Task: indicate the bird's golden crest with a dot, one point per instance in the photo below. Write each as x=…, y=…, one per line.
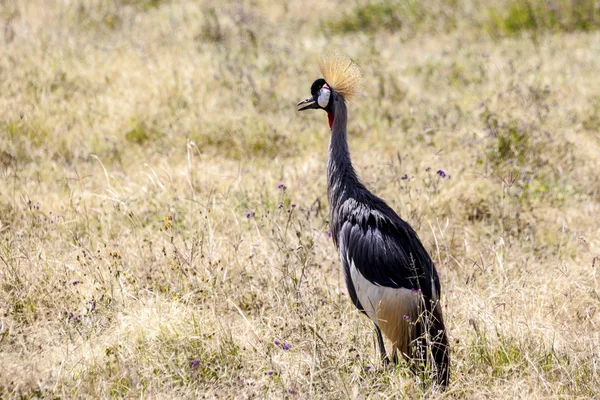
x=342, y=74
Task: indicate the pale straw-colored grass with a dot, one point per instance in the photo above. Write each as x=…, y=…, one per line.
x=146, y=250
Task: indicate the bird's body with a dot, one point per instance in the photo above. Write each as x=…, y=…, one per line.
x=389, y=274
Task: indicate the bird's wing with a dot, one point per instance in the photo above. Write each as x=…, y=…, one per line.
x=387, y=251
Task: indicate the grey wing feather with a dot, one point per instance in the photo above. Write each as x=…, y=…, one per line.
x=386, y=250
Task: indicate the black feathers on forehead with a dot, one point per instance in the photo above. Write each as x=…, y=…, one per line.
x=317, y=85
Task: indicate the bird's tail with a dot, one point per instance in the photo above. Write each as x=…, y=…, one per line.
x=416, y=328
x=432, y=345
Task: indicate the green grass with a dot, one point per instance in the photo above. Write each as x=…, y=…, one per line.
x=506, y=18
x=371, y=17
x=543, y=16
x=140, y=133
x=394, y=15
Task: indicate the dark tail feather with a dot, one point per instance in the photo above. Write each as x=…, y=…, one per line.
x=439, y=347
x=433, y=345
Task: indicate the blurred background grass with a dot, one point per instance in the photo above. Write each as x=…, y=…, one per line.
x=148, y=249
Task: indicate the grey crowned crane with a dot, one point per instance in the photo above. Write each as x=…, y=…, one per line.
x=388, y=273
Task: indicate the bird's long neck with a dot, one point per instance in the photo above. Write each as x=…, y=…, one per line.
x=342, y=181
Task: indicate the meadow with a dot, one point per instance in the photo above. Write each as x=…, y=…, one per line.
x=163, y=208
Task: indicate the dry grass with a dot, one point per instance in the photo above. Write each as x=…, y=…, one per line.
x=146, y=250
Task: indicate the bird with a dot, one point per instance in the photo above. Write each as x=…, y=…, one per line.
x=389, y=275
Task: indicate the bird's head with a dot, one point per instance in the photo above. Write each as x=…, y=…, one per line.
x=320, y=96
x=341, y=81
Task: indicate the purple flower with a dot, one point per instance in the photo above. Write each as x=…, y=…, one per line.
x=368, y=367
x=293, y=205
x=281, y=186
x=292, y=391
x=328, y=234
x=250, y=214
x=195, y=364
x=280, y=205
x=92, y=304
x=405, y=317
x=285, y=346
x=404, y=177
x=527, y=179
x=441, y=173
x=269, y=373
x=276, y=342
x=74, y=283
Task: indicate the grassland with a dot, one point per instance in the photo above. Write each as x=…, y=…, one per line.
x=148, y=249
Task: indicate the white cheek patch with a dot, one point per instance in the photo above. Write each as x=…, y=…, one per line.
x=324, y=95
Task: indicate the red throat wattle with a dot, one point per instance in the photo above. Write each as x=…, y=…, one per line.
x=331, y=116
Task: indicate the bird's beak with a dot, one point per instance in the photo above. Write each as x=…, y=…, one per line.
x=307, y=104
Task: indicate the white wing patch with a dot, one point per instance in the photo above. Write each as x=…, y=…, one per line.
x=433, y=290
x=371, y=296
